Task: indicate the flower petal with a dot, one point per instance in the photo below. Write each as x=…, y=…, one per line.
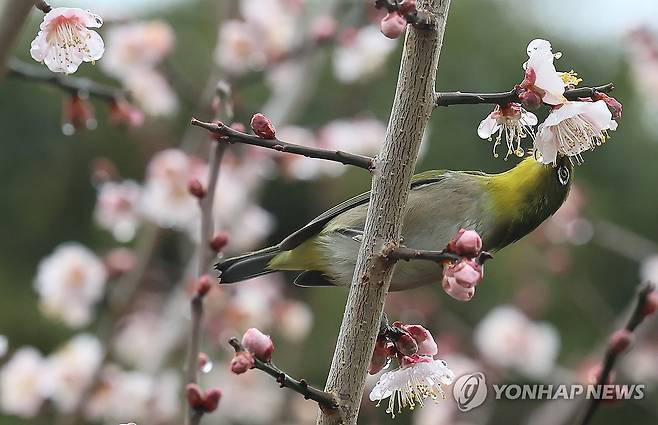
x=488, y=127
x=546, y=144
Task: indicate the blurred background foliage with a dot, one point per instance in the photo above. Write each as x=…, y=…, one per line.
x=47, y=197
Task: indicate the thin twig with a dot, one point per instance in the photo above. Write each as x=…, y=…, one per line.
x=234, y=136
x=206, y=205
x=324, y=399
x=637, y=316
x=395, y=253
x=72, y=85
x=503, y=98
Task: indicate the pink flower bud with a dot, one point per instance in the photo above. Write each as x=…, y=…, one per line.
x=263, y=127
x=123, y=113
x=78, y=113
x=204, y=285
x=457, y=291
x=196, y=188
x=529, y=79
x=242, y=362
x=211, y=400
x=393, y=25
x=219, y=241
x=258, y=344
x=529, y=100
x=379, y=357
x=466, y=243
x=194, y=395
x=651, y=304
x=620, y=340
x=613, y=104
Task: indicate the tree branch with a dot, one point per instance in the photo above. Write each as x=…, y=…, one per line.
x=412, y=107
x=234, y=136
x=13, y=14
x=503, y=98
x=72, y=85
x=637, y=316
x=324, y=399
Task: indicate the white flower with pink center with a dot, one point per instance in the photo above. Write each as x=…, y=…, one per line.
x=419, y=378
x=511, y=122
x=506, y=338
x=166, y=199
x=70, y=369
x=116, y=208
x=69, y=282
x=573, y=128
x=20, y=383
x=134, y=46
x=362, y=55
x=64, y=40
x=239, y=50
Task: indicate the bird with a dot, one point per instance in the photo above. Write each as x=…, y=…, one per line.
x=502, y=208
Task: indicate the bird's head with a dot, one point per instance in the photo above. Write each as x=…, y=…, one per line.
x=523, y=197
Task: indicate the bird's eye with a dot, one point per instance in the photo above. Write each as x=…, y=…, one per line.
x=563, y=175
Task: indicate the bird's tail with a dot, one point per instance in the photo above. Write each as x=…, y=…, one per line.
x=246, y=266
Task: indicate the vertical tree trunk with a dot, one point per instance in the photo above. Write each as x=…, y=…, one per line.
x=395, y=164
x=13, y=14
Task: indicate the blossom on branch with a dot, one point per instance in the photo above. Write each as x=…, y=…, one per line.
x=69, y=282
x=361, y=55
x=540, y=74
x=573, y=128
x=510, y=121
x=117, y=208
x=21, y=382
x=64, y=40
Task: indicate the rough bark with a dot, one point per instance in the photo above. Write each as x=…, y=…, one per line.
x=394, y=167
x=13, y=14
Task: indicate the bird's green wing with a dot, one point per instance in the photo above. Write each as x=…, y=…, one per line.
x=316, y=225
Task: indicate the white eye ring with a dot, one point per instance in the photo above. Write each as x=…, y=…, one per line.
x=563, y=175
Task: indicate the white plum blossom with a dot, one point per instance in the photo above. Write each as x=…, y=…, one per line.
x=166, y=199
x=572, y=128
x=295, y=320
x=70, y=369
x=510, y=121
x=117, y=208
x=137, y=46
x=151, y=92
x=64, y=40
x=20, y=383
x=69, y=282
x=239, y=49
x=362, y=56
x=541, y=76
x=506, y=338
x=135, y=396
x=413, y=383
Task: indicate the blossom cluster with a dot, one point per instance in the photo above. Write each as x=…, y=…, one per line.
x=571, y=128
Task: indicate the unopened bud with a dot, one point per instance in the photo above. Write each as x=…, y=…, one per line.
x=263, y=127
x=651, y=304
x=613, y=104
x=123, y=113
x=466, y=243
x=529, y=100
x=242, y=362
x=393, y=25
x=196, y=188
x=219, y=241
x=379, y=357
x=194, y=395
x=78, y=113
x=211, y=400
x=456, y=291
x=258, y=344
x=204, y=285
x=620, y=340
